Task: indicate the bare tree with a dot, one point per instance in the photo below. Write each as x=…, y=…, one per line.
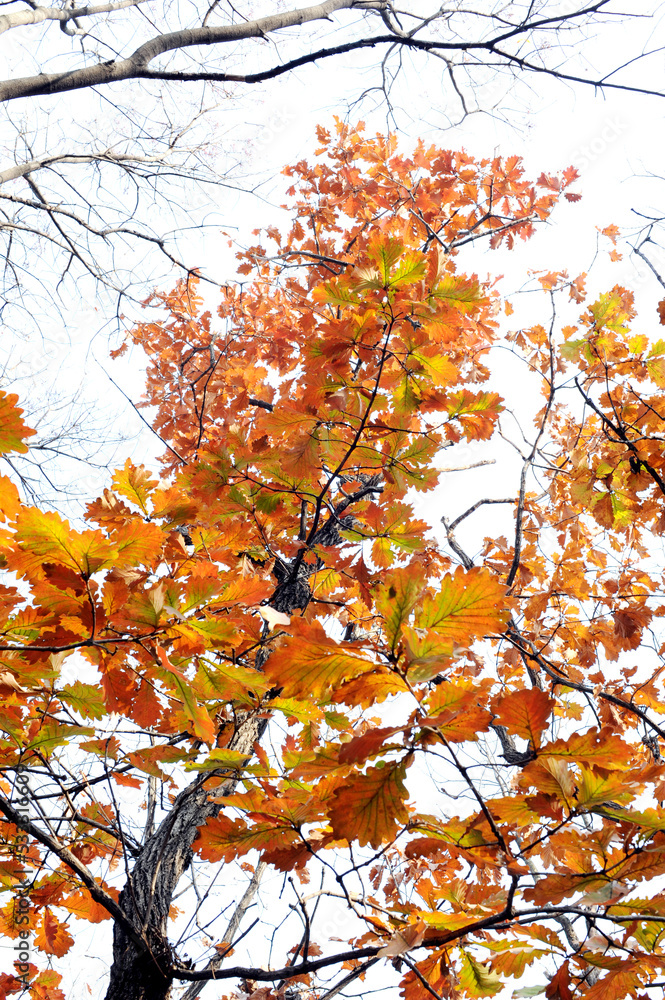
x=115, y=113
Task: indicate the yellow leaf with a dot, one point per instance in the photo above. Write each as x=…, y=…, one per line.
x=12, y=428
x=43, y=537
x=470, y=604
x=135, y=483
x=310, y=665
x=477, y=979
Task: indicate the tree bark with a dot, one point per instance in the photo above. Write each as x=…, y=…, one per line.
x=146, y=974
x=136, y=65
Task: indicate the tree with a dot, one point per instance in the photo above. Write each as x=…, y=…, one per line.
x=123, y=132
x=115, y=117
x=271, y=654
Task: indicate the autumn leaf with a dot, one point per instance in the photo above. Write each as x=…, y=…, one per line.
x=559, y=986
x=396, y=600
x=590, y=748
x=82, y=905
x=555, y=888
x=223, y=759
x=434, y=970
x=617, y=983
x=135, y=483
x=370, y=807
x=476, y=413
x=52, y=936
x=455, y=714
x=469, y=604
x=197, y=715
x=359, y=748
x=86, y=699
x=661, y=311
x=404, y=939
x=525, y=713
x=223, y=839
x=13, y=431
x=309, y=664
x=477, y=979
x=10, y=501
x=44, y=537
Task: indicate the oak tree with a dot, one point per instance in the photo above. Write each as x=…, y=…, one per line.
x=261, y=681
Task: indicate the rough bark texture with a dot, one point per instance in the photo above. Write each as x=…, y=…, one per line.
x=146, y=899
x=147, y=974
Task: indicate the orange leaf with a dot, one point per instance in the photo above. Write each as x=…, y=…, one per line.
x=44, y=986
x=558, y=986
x=53, y=936
x=202, y=725
x=405, y=939
x=12, y=429
x=223, y=839
x=82, y=905
x=610, y=752
x=364, y=746
x=10, y=502
x=310, y=665
x=661, y=311
x=617, y=984
x=525, y=713
x=44, y=537
x=369, y=807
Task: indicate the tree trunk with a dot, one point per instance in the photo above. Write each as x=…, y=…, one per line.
x=147, y=974
x=146, y=898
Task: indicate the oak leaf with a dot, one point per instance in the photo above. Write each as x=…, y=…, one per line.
x=661, y=311
x=311, y=665
x=477, y=979
x=53, y=936
x=369, y=808
x=13, y=431
x=223, y=839
x=470, y=604
x=525, y=713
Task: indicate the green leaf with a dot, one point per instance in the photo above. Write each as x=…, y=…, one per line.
x=477, y=979
x=86, y=699
x=217, y=759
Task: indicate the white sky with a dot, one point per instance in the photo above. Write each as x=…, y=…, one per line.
x=616, y=141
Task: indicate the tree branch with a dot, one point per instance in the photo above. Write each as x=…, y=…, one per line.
x=66, y=856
